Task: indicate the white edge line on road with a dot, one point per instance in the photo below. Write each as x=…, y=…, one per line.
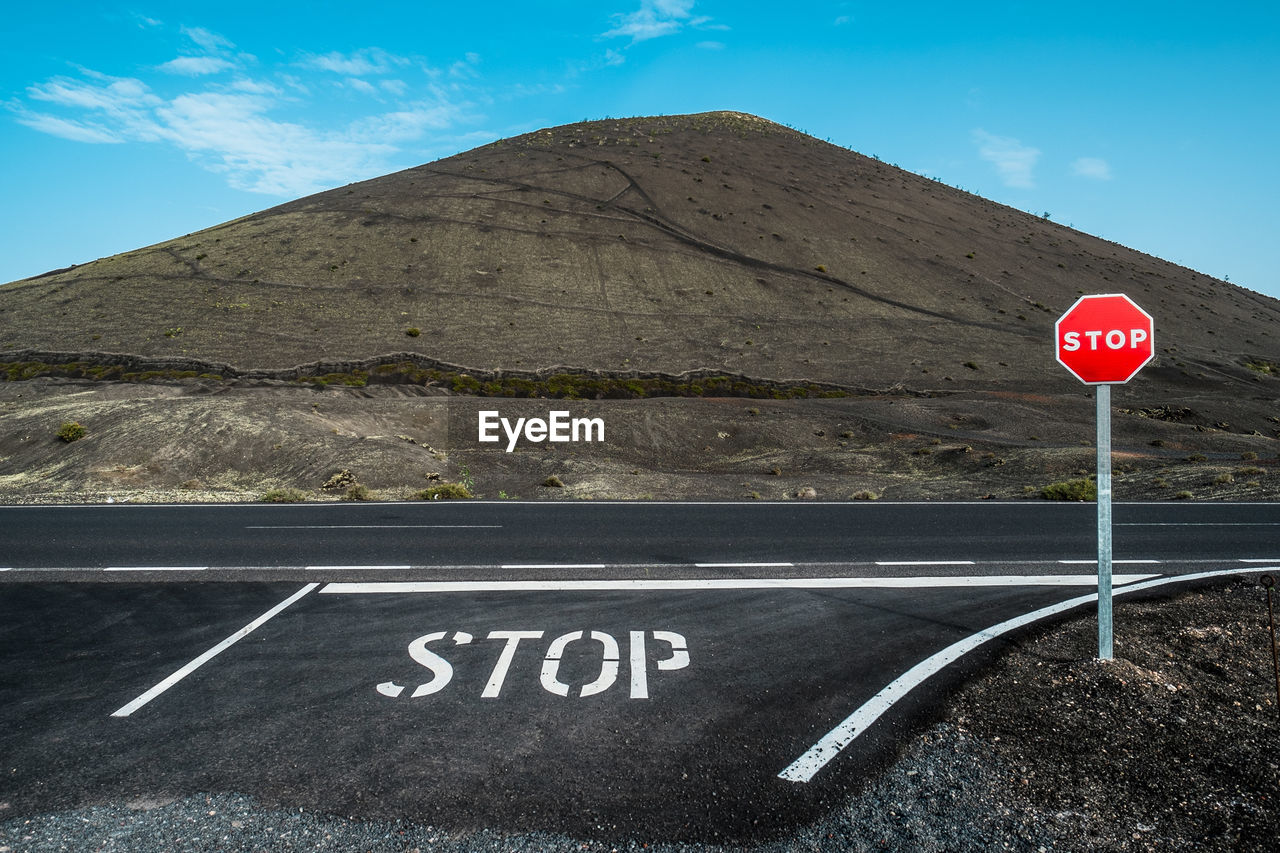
x=400, y=587
x=357, y=568
x=209, y=655
x=1243, y=560
x=744, y=565
x=817, y=756
x=156, y=569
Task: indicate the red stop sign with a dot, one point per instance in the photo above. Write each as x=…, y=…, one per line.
x=1104, y=339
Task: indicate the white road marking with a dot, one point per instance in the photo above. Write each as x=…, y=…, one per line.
x=817, y=756
x=209, y=655
x=744, y=565
x=357, y=568
x=639, y=668
x=1243, y=560
x=650, y=584
x=553, y=566
x=156, y=569
x=1199, y=524
x=372, y=526
x=499, y=674
x=1114, y=562
x=925, y=562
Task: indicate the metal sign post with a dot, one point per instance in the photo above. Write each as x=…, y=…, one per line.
x=1104, y=339
x=1104, y=522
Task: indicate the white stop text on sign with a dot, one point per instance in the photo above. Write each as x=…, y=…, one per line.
x=604, y=644
x=1113, y=339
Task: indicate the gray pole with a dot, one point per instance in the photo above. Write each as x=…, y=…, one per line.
x=1104, y=522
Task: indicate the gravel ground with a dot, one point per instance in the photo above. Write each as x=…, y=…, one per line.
x=1172, y=746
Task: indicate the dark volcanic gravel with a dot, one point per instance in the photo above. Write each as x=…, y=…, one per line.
x=1175, y=745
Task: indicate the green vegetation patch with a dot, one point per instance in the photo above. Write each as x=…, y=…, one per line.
x=1082, y=489
x=282, y=496
x=444, y=492
x=559, y=386
x=71, y=431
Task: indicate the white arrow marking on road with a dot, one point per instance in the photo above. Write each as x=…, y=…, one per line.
x=817, y=756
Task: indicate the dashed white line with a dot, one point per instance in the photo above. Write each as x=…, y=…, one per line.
x=553, y=565
x=744, y=565
x=373, y=526
x=357, y=568
x=1253, y=560
x=925, y=563
x=670, y=584
x=1114, y=562
x=209, y=655
x=817, y=756
x=156, y=569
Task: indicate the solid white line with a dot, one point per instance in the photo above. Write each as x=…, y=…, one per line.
x=356, y=568
x=744, y=565
x=1113, y=562
x=370, y=526
x=156, y=569
x=209, y=655
x=817, y=756
x=925, y=562
x=648, y=584
x=1243, y=560
x=553, y=565
x=1199, y=524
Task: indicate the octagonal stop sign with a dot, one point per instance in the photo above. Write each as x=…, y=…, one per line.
x=1105, y=338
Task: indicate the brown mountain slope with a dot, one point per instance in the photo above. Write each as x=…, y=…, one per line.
x=717, y=240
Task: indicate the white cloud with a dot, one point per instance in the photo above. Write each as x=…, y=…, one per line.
x=842, y=20
x=266, y=132
x=67, y=128
x=231, y=130
x=361, y=63
x=1092, y=167
x=653, y=19
x=1014, y=161
x=711, y=45
x=194, y=66
x=210, y=41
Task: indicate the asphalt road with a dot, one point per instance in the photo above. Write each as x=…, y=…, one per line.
x=460, y=533
x=444, y=663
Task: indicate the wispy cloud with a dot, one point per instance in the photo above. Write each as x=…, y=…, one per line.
x=233, y=123
x=654, y=18
x=1094, y=168
x=194, y=66
x=1014, y=161
x=711, y=45
x=361, y=63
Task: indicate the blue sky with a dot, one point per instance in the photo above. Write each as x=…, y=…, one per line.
x=1155, y=125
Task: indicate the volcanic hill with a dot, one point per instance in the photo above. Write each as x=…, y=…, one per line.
x=712, y=260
